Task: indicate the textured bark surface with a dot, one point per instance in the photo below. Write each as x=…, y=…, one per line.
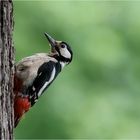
x=6, y=70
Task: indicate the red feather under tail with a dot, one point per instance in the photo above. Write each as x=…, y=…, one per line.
x=21, y=104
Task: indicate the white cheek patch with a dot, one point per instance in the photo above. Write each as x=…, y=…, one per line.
x=65, y=53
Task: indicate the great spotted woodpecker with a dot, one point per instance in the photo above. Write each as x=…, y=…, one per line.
x=35, y=73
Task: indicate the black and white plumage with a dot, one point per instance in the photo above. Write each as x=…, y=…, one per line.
x=35, y=73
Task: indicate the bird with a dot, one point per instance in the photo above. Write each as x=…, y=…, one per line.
x=35, y=73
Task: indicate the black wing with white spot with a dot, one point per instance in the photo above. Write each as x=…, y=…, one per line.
x=45, y=76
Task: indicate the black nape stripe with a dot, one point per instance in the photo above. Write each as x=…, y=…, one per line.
x=61, y=58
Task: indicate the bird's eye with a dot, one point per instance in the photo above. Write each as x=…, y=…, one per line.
x=63, y=45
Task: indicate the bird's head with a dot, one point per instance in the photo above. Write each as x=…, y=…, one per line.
x=61, y=49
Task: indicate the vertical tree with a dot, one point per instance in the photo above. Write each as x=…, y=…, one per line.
x=6, y=69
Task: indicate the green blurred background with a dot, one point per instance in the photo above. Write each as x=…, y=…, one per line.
x=98, y=94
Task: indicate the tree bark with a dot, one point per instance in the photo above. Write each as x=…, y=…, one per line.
x=6, y=70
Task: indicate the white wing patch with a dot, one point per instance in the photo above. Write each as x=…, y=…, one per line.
x=48, y=82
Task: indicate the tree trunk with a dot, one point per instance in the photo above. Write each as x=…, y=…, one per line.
x=6, y=70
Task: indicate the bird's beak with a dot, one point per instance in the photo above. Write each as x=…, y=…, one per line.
x=51, y=40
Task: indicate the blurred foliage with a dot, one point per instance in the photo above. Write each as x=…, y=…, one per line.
x=98, y=94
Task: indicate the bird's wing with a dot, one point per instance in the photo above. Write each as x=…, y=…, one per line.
x=45, y=76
